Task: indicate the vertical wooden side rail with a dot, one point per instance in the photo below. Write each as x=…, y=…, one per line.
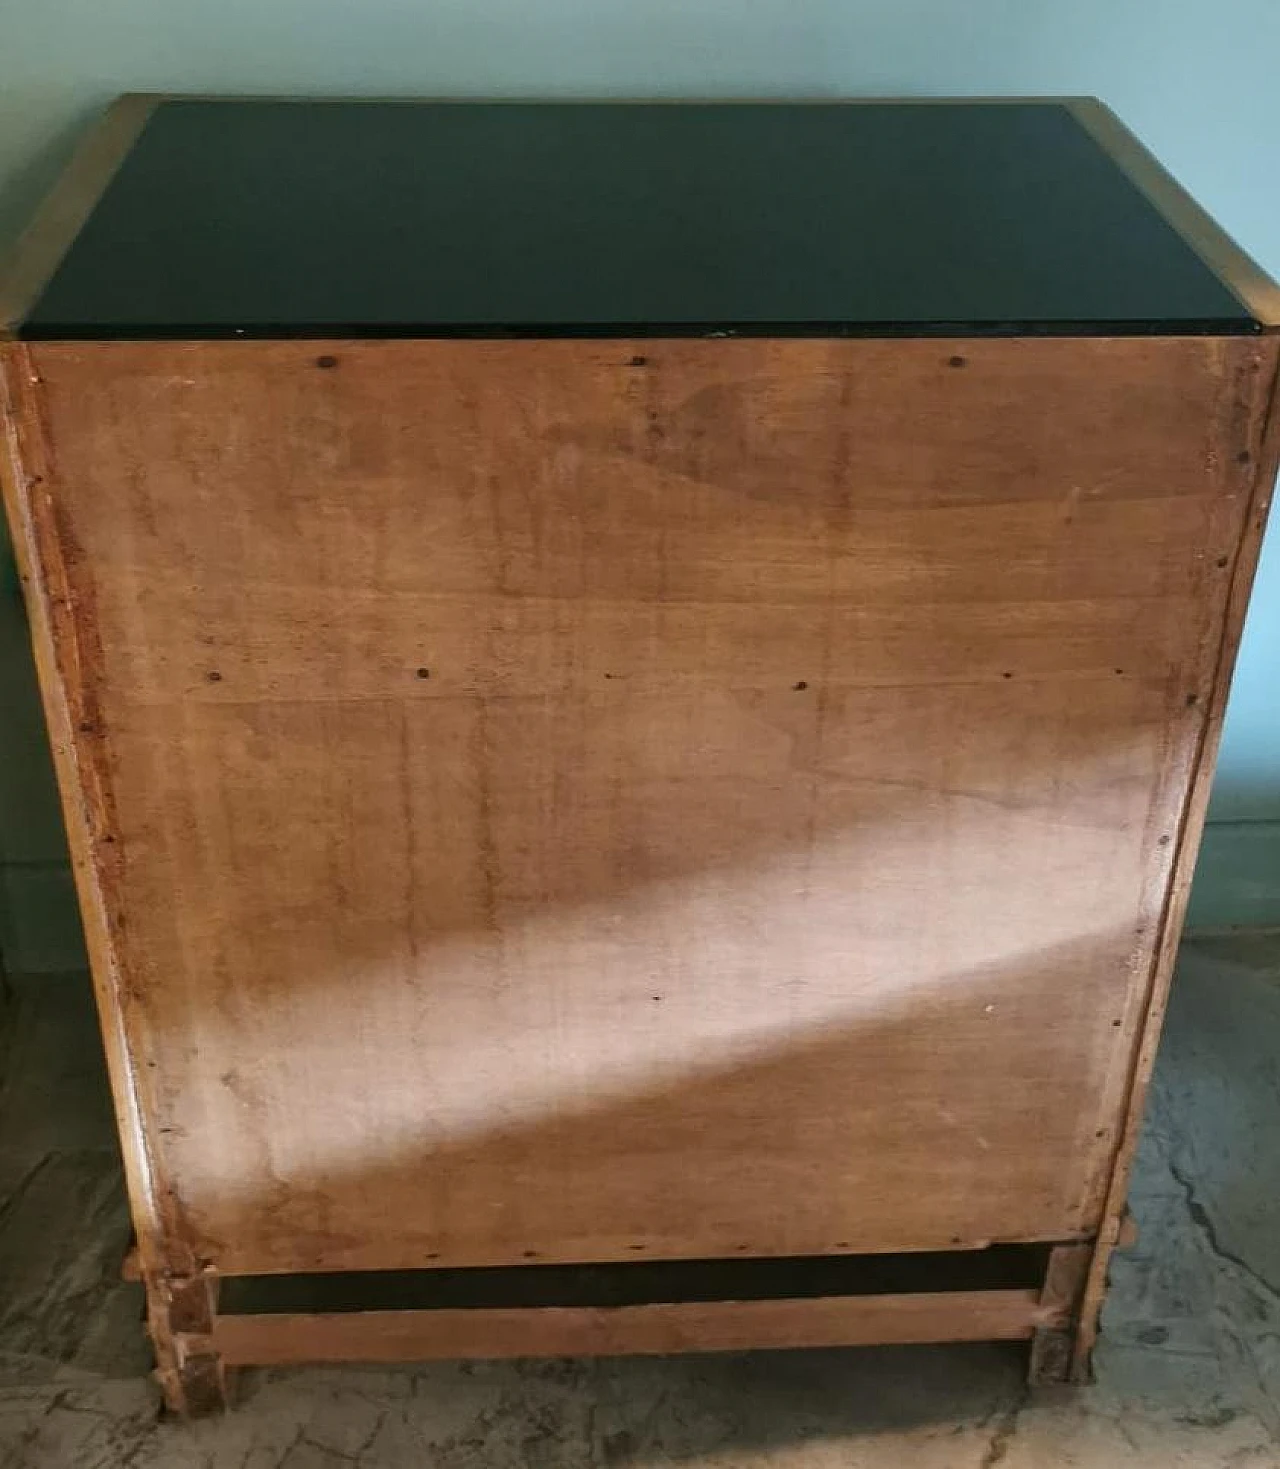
x=179, y=1303
x=1263, y=455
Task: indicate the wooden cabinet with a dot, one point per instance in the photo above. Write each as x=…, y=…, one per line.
x=634, y=690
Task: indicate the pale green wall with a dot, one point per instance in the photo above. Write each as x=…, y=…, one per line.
x=1197, y=79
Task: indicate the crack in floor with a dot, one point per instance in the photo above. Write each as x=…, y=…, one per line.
x=1203, y=1221
x=15, y=1195
x=1005, y=1431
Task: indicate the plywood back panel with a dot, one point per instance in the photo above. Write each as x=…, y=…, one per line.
x=569, y=800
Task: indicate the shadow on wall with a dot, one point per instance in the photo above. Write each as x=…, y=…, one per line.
x=40, y=929
x=39, y=926
x=25, y=180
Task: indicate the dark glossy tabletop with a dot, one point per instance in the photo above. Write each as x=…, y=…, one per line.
x=287, y=219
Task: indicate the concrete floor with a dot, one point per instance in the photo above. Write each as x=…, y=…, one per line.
x=1188, y=1370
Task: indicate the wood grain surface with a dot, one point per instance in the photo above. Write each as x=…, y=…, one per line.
x=65, y=664
x=570, y=801
x=1260, y=459
x=703, y=1326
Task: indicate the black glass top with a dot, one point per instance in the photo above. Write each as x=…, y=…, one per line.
x=282, y=219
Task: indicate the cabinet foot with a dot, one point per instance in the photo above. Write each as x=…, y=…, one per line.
x=1055, y=1355
x=180, y=1317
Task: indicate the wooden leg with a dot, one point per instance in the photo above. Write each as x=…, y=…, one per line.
x=1118, y=1233
x=180, y=1319
x=1053, y=1348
